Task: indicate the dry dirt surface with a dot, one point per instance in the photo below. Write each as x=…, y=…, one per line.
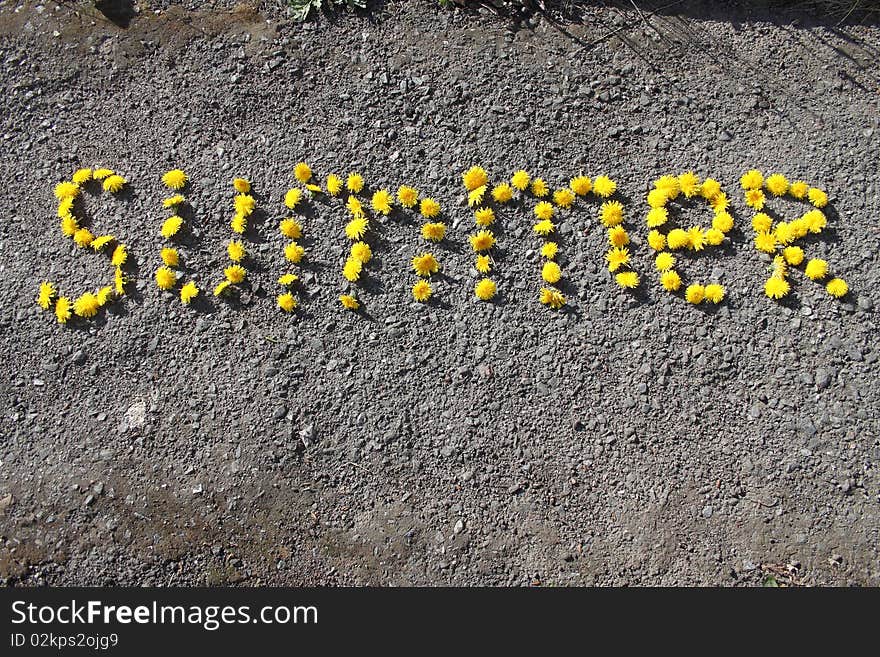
x=630, y=439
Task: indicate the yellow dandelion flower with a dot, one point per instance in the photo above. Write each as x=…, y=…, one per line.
x=314, y=189
x=65, y=207
x=100, y=242
x=617, y=258
x=689, y=184
x=520, y=179
x=670, y=280
x=485, y=289
x=355, y=207
x=287, y=279
x=113, y=183
x=222, y=286
x=475, y=196
x=171, y=226
x=551, y=272
x=482, y=241
x=549, y=250
x=800, y=227
x=236, y=251
x=714, y=237
x=799, y=189
x=483, y=264
x=354, y=183
x=434, y=232
x=502, y=192
x=244, y=204
x=776, y=287
x=564, y=198
x=784, y=233
x=696, y=238
x=69, y=225
x=241, y=185
x=334, y=184
x=539, y=188
x=552, y=298
x=165, y=278
x=581, y=185
x=173, y=201
x=618, y=236
x=816, y=269
x=120, y=255
x=762, y=222
x=723, y=221
x=83, y=237
x=752, y=179
x=170, y=257
x=119, y=281
x=102, y=174
x=657, y=217
x=658, y=198
x=290, y=228
x=837, y=287
x=408, y=196
x=65, y=190
x=352, y=270
x=776, y=184
x=670, y=185
x=361, y=251
x=484, y=216
x=381, y=201
x=294, y=252
x=817, y=197
x=714, y=293
x=292, y=197
x=664, y=261
x=422, y=291
x=188, y=292
x=765, y=242
x=104, y=295
x=695, y=293
x=544, y=210
x=425, y=264
x=627, y=279
x=720, y=202
x=544, y=227
x=429, y=208
x=603, y=186
x=174, y=179
x=81, y=176
x=794, y=255
x=710, y=189
x=286, y=302
x=349, y=302
x=755, y=199
x=656, y=240
x=235, y=274
x=302, y=172
x=474, y=177
x=678, y=239
x=816, y=220
x=63, y=310
x=47, y=295
x=356, y=228
x=238, y=224
x=780, y=268
x=611, y=213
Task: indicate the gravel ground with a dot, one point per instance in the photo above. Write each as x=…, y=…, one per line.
x=632, y=439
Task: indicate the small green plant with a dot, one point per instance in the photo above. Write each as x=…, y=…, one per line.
x=302, y=8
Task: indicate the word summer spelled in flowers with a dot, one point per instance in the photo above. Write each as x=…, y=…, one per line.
x=495, y=204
